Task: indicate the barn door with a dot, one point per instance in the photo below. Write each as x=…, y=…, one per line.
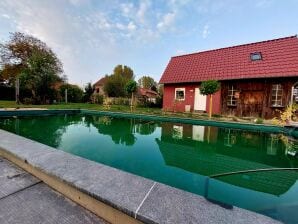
x=200, y=100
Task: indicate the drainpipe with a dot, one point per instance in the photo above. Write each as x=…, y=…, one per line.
x=291, y=102
x=292, y=92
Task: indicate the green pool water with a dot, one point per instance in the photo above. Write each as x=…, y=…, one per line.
x=180, y=155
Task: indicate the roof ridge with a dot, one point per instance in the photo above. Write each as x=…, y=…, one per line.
x=241, y=45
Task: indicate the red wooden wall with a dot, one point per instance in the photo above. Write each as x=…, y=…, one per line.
x=169, y=103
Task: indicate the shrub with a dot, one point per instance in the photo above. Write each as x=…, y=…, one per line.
x=97, y=99
x=74, y=93
x=259, y=120
x=28, y=101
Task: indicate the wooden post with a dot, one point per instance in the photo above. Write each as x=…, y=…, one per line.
x=210, y=107
x=17, y=83
x=66, y=96
x=131, y=103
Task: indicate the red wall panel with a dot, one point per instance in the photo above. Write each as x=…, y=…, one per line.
x=169, y=103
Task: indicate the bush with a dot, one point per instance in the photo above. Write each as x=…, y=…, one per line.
x=98, y=99
x=7, y=93
x=28, y=101
x=259, y=120
x=74, y=93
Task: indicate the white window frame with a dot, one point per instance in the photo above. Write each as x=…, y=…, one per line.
x=232, y=101
x=180, y=89
x=277, y=91
x=177, y=132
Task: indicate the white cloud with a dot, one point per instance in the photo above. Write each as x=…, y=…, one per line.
x=263, y=3
x=166, y=21
x=142, y=11
x=206, y=31
x=82, y=32
x=5, y=16
x=131, y=26
x=127, y=8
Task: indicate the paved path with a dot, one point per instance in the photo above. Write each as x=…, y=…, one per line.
x=25, y=199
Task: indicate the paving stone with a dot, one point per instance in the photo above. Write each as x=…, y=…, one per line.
x=40, y=204
x=170, y=205
x=13, y=179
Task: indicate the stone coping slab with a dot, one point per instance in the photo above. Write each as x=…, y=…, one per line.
x=137, y=197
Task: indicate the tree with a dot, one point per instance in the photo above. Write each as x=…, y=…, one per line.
x=124, y=71
x=74, y=93
x=115, y=86
x=116, y=83
x=31, y=60
x=209, y=88
x=147, y=82
x=131, y=88
x=88, y=91
x=40, y=76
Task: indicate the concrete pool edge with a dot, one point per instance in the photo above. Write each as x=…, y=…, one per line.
x=115, y=195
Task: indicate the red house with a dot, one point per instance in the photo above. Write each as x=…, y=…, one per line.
x=256, y=79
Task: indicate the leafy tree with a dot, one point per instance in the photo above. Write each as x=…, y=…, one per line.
x=88, y=91
x=160, y=90
x=147, y=82
x=115, y=86
x=31, y=60
x=74, y=93
x=153, y=88
x=124, y=71
x=40, y=76
x=209, y=87
x=116, y=83
x=131, y=88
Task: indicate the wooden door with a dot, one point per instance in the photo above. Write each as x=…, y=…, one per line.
x=200, y=101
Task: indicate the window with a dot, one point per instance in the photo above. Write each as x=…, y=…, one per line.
x=232, y=101
x=276, y=97
x=177, y=132
x=256, y=56
x=179, y=93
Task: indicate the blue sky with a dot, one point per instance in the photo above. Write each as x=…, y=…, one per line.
x=92, y=36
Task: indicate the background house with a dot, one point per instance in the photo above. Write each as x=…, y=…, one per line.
x=98, y=86
x=146, y=95
x=256, y=79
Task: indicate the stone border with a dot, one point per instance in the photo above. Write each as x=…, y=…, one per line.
x=115, y=195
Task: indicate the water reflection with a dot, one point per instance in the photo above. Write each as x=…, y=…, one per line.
x=48, y=130
x=210, y=150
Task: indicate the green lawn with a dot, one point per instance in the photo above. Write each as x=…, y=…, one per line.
x=123, y=108
x=119, y=108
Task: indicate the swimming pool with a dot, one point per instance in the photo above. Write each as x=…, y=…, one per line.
x=180, y=155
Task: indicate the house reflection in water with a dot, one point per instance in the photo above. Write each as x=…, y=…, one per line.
x=211, y=150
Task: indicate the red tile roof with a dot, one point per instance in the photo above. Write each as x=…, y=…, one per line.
x=279, y=59
x=147, y=92
x=101, y=82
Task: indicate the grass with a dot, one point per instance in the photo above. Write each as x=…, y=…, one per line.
x=124, y=108
x=89, y=106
